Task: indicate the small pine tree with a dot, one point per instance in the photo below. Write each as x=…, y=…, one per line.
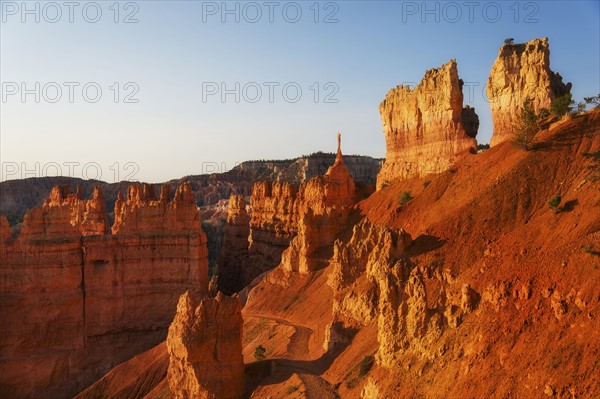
x=405, y=198
x=526, y=127
x=562, y=105
x=554, y=203
x=260, y=352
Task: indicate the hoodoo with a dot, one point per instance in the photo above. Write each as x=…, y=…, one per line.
x=324, y=209
x=205, y=349
x=427, y=126
x=521, y=71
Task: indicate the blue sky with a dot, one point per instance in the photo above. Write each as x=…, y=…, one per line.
x=177, y=54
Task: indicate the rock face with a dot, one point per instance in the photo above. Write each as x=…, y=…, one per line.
x=521, y=71
x=205, y=349
x=234, y=253
x=4, y=229
x=272, y=226
x=76, y=301
x=324, y=210
x=373, y=279
x=426, y=127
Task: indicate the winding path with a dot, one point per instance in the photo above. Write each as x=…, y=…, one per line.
x=299, y=361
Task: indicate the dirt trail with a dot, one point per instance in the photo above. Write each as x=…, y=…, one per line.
x=299, y=361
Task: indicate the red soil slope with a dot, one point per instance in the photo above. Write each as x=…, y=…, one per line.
x=485, y=223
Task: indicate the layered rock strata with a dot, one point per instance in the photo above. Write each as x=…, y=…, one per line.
x=426, y=126
x=76, y=301
x=521, y=71
x=273, y=224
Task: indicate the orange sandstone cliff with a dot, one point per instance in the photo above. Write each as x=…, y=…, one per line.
x=521, y=71
x=425, y=127
x=77, y=301
x=273, y=224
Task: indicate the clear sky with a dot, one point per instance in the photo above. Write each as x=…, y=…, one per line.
x=176, y=58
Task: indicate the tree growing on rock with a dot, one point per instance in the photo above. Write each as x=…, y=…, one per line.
x=527, y=127
x=562, y=105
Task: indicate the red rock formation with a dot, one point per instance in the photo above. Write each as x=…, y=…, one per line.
x=76, y=301
x=65, y=213
x=273, y=224
x=4, y=230
x=424, y=127
x=357, y=266
x=205, y=348
x=521, y=71
x=324, y=211
x=234, y=253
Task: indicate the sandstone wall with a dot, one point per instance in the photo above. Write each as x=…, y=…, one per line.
x=273, y=224
x=234, y=253
x=521, y=71
x=424, y=127
x=77, y=301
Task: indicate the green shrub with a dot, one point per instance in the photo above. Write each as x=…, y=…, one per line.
x=260, y=352
x=405, y=198
x=352, y=383
x=544, y=113
x=592, y=100
x=562, y=105
x=426, y=183
x=291, y=389
x=365, y=365
x=554, y=203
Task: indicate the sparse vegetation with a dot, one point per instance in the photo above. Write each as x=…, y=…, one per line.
x=365, y=365
x=294, y=299
x=483, y=147
x=544, y=113
x=426, y=183
x=595, y=101
x=291, y=389
x=527, y=127
x=562, y=105
x=594, y=157
x=590, y=250
x=260, y=352
x=554, y=203
x=352, y=383
x=404, y=198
